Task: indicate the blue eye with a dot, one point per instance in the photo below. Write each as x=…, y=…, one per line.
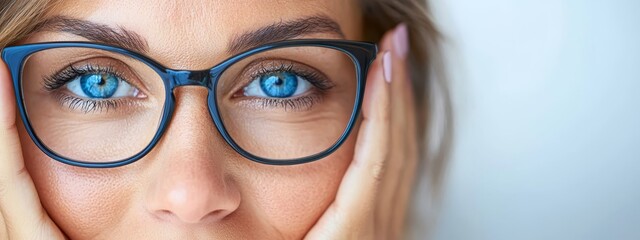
x=101, y=86
x=277, y=85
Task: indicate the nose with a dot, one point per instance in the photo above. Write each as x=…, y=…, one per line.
x=190, y=184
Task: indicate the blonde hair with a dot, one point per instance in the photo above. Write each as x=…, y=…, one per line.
x=19, y=18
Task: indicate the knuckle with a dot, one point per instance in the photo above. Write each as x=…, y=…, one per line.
x=3, y=188
x=7, y=125
x=378, y=170
x=384, y=115
x=10, y=126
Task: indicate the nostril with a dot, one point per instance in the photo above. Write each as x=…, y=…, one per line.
x=215, y=216
x=164, y=215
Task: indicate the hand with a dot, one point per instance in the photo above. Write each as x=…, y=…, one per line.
x=372, y=199
x=21, y=214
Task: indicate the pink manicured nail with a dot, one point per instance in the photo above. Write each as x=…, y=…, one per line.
x=386, y=66
x=401, y=40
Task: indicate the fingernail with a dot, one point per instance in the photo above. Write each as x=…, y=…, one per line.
x=386, y=66
x=401, y=40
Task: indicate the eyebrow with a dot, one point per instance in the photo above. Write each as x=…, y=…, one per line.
x=285, y=30
x=121, y=37
x=96, y=32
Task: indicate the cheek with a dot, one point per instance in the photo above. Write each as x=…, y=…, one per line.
x=292, y=198
x=87, y=202
x=80, y=201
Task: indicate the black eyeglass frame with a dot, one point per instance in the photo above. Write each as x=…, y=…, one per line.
x=361, y=53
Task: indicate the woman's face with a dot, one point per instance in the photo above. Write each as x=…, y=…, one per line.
x=192, y=184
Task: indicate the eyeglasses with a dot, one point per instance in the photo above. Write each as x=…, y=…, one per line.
x=100, y=106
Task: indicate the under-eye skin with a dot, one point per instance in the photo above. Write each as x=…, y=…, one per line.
x=283, y=84
x=91, y=88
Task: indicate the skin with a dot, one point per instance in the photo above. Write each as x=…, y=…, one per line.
x=179, y=191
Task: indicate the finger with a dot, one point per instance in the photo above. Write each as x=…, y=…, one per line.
x=388, y=184
x=404, y=157
x=403, y=138
x=351, y=213
x=23, y=214
x=406, y=181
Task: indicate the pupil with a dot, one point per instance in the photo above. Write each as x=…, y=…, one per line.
x=279, y=85
x=102, y=80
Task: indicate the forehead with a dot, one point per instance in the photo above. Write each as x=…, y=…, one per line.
x=185, y=29
x=211, y=14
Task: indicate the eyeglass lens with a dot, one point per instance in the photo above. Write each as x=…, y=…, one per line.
x=98, y=106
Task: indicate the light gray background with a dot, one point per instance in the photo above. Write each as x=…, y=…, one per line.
x=547, y=103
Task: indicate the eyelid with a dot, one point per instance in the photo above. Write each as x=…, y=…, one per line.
x=261, y=66
x=91, y=65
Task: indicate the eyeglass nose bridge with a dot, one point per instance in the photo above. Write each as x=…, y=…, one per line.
x=189, y=78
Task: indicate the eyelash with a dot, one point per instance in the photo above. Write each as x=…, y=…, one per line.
x=54, y=82
x=59, y=79
x=88, y=105
x=317, y=79
x=295, y=104
x=314, y=77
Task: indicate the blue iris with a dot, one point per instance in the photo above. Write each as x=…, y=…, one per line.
x=279, y=85
x=99, y=85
